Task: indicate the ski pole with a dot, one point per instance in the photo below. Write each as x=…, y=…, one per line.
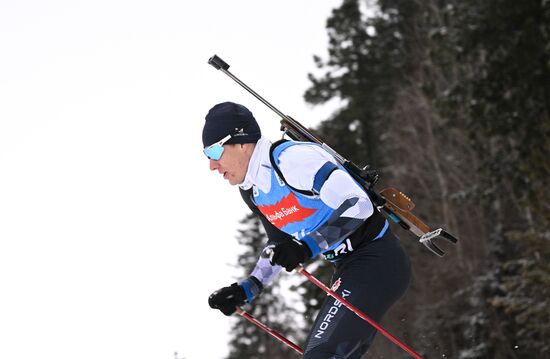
x=300, y=269
x=272, y=332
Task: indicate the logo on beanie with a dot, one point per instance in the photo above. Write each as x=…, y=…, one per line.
x=239, y=132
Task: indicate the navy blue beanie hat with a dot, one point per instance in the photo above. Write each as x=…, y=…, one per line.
x=228, y=118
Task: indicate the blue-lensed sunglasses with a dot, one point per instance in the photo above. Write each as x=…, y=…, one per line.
x=215, y=151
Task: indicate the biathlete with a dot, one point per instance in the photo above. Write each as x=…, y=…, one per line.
x=309, y=205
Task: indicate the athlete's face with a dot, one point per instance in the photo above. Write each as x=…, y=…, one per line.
x=233, y=163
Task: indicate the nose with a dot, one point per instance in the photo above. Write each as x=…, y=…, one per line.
x=213, y=164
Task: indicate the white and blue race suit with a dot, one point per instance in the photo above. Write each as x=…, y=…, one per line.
x=300, y=191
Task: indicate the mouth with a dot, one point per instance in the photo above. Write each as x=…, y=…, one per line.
x=225, y=175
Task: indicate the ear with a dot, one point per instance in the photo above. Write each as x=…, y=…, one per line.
x=248, y=147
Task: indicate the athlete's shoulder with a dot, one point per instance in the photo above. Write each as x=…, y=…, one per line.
x=301, y=151
x=299, y=162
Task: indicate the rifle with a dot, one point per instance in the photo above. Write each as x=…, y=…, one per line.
x=396, y=205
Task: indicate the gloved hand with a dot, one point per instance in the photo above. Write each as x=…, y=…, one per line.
x=289, y=254
x=227, y=298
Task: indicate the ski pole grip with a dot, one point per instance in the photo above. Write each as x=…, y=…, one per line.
x=218, y=63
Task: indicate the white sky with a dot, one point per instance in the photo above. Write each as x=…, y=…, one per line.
x=113, y=232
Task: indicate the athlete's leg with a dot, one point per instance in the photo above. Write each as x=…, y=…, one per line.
x=372, y=279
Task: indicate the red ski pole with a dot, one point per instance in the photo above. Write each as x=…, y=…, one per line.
x=277, y=335
x=300, y=269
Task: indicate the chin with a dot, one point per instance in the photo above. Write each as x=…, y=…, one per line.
x=235, y=182
x=231, y=181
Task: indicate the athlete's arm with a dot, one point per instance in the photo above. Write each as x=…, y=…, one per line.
x=300, y=165
x=264, y=272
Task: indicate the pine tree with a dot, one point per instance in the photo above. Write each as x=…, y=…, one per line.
x=510, y=122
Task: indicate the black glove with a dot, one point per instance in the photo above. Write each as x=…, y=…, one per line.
x=227, y=298
x=289, y=254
